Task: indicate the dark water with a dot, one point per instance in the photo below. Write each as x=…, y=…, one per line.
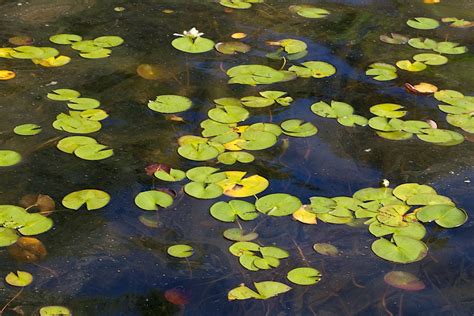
x=106, y=262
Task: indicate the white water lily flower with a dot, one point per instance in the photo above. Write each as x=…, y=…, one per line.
x=193, y=33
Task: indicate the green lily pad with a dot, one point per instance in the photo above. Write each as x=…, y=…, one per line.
x=171, y=176
x=170, y=104
x=401, y=250
x=407, y=190
x=243, y=247
x=230, y=158
x=27, y=52
x=151, y=200
x=70, y=144
x=65, y=39
x=201, y=190
x=93, y=199
x=441, y=137
x=422, y=23
x=385, y=125
x=353, y=120
x=9, y=158
x=256, y=138
x=54, y=311
x=445, y=215
x=193, y=45
x=382, y=71
x=326, y=249
x=35, y=224
x=203, y=174
x=83, y=104
x=242, y=292
x=413, y=230
x=304, y=276
x=396, y=135
x=86, y=46
x=256, y=102
x=428, y=199
x=93, y=152
x=422, y=43
x=409, y=66
x=236, y=234
x=229, y=211
x=431, y=59
x=278, y=204
x=308, y=11
x=8, y=236
x=231, y=48
x=27, y=129
x=335, y=110
x=297, y=128
x=255, y=74
x=415, y=127
x=76, y=124
x=292, y=46
x=239, y=4
x=198, y=151
x=63, y=95
x=388, y=110
x=450, y=48
x=180, y=251
x=228, y=114
x=96, y=54
x=392, y=215
x=404, y=280
x=315, y=69
x=20, y=278
x=108, y=41
x=321, y=204
x=463, y=121
x=94, y=114
x=268, y=289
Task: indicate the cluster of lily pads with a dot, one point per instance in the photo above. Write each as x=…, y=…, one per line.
x=85, y=116
x=422, y=23
x=239, y=4
x=387, y=123
x=16, y=221
x=44, y=56
x=84, y=147
x=91, y=49
x=460, y=109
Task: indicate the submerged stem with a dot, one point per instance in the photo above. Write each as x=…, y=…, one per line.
x=12, y=299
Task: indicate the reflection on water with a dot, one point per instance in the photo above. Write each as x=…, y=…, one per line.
x=108, y=263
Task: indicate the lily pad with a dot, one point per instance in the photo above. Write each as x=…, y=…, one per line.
x=304, y=216
x=404, y=280
x=229, y=211
x=401, y=250
x=108, y=41
x=93, y=199
x=236, y=234
x=445, y=215
x=8, y=236
x=308, y=11
x=297, y=128
x=83, y=103
x=201, y=190
x=96, y=54
x=382, y=71
x=422, y=23
x=407, y=190
x=315, y=69
x=422, y=43
x=304, y=276
x=394, y=38
x=335, y=110
x=388, y=110
x=63, y=95
x=255, y=74
x=152, y=200
x=441, y=137
x=20, y=278
x=326, y=249
x=198, y=151
x=74, y=123
x=239, y=4
x=9, y=158
x=54, y=311
x=27, y=129
x=278, y=204
x=93, y=152
x=180, y=251
x=65, y=39
x=450, y=48
x=70, y=144
x=409, y=66
x=171, y=176
x=192, y=45
x=170, y=104
x=459, y=23
x=230, y=158
x=231, y=48
x=228, y=114
x=237, y=185
x=431, y=59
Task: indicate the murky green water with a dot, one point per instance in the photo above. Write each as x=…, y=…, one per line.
x=106, y=262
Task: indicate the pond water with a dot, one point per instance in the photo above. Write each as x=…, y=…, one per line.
x=107, y=262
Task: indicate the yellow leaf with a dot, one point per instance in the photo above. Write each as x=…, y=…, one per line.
x=235, y=185
x=234, y=145
x=7, y=74
x=21, y=278
x=239, y=35
x=53, y=61
x=305, y=217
